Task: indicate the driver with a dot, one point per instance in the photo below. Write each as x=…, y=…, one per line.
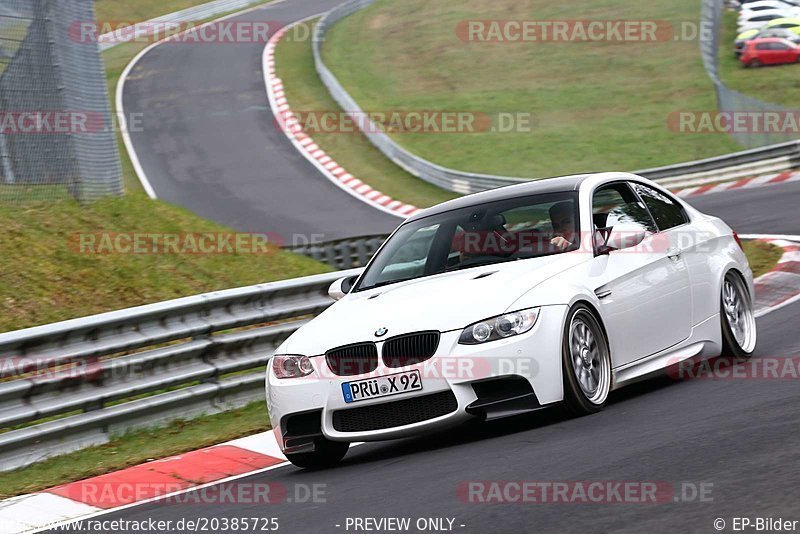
x=562, y=217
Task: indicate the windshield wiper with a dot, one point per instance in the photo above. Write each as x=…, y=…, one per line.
x=479, y=264
x=388, y=282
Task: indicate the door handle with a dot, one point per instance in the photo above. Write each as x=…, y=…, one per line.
x=674, y=253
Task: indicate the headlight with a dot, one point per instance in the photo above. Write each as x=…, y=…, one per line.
x=500, y=327
x=291, y=366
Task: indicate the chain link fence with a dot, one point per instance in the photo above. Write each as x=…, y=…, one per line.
x=57, y=132
x=728, y=100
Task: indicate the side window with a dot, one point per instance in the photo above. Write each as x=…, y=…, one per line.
x=780, y=46
x=666, y=211
x=762, y=46
x=616, y=205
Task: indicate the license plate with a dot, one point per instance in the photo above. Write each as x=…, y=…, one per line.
x=382, y=386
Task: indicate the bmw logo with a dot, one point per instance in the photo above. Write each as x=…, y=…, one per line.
x=380, y=332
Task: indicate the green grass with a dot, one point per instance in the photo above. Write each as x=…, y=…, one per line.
x=306, y=93
x=762, y=256
x=135, y=448
x=132, y=11
x=776, y=84
x=44, y=279
x=597, y=106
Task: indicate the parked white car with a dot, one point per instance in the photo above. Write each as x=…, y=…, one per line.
x=758, y=20
x=782, y=12
x=745, y=4
x=508, y=301
x=765, y=6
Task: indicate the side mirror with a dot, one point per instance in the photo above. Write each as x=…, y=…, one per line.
x=341, y=287
x=618, y=239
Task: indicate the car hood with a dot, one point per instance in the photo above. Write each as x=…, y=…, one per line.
x=444, y=302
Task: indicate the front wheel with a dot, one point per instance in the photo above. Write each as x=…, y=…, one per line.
x=738, y=321
x=326, y=454
x=586, y=362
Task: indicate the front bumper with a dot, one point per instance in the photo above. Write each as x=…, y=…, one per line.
x=451, y=372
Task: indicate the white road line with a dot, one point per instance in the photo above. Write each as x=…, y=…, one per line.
x=123, y=119
x=306, y=147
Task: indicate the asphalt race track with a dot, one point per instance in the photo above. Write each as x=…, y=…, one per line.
x=209, y=144
x=762, y=210
x=208, y=140
x=737, y=437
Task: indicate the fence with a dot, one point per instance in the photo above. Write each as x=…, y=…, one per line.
x=188, y=15
x=56, y=127
x=739, y=165
x=74, y=383
x=728, y=100
x=344, y=253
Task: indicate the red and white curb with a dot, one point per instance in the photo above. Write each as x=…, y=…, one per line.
x=151, y=481
x=781, y=286
x=746, y=183
x=287, y=121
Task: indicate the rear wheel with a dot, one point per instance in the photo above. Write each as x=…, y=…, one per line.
x=586, y=362
x=326, y=454
x=738, y=321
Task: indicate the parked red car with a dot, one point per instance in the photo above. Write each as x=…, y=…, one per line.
x=769, y=51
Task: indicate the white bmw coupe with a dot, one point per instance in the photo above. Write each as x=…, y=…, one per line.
x=507, y=301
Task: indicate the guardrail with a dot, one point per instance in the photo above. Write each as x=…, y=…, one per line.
x=72, y=384
x=729, y=100
x=343, y=253
x=159, y=24
x=753, y=162
x=764, y=160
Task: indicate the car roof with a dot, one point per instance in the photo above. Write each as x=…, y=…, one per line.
x=761, y=40
x=534, y=187
x=784, y=20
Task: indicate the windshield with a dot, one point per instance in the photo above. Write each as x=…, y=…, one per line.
x=495, y=232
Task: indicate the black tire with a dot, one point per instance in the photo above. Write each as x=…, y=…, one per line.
x=754, y=64
x=576, y=401
x=730, y=345
x=326, y=454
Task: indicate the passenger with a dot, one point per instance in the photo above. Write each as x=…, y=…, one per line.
x=562, y=217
